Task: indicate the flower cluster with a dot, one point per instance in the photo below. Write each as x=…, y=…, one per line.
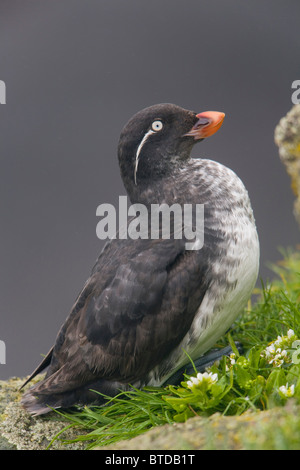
x=287, y=391
x=276, y=353
x=204, y=380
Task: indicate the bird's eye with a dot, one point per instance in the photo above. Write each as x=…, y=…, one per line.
x=157, y=126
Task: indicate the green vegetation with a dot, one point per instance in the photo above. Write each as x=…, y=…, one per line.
x=267, y=375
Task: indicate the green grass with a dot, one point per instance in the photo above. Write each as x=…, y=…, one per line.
x=265, y=376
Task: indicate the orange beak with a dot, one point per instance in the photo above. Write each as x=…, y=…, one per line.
x=208, y=124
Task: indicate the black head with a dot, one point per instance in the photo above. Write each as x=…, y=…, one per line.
x=158, y=139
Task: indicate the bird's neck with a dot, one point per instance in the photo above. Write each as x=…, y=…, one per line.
x=199, y=181
x=167, y=189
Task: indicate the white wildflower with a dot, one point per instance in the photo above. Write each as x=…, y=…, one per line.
x=214, y=378
x=206, y=378
x=290, y=334
x=287, y=391
x=193, y=382
x=270, y=350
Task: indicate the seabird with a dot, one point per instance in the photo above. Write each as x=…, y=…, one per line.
x=150, y=303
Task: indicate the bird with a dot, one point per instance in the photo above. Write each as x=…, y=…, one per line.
x=152, y=305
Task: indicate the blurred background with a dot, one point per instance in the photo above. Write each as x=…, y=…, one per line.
x=75, y=72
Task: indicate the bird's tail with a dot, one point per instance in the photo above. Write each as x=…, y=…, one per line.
x=45, y=363
x=42, y=398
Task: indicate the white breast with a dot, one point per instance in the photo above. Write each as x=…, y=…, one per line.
x=222, y=304
x=234, y=274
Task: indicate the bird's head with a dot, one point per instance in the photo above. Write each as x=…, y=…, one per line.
x=159, y=138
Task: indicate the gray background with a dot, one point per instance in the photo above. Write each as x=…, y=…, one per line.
x=75, y=72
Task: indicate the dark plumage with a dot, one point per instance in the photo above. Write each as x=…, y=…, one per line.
x=148, y=300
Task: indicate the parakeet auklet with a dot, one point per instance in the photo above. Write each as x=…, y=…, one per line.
x=148, y=302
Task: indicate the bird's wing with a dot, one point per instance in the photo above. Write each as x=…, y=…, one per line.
x=136, y=307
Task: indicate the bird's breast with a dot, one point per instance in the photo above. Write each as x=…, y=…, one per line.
x=230, y=249
x=234, y=251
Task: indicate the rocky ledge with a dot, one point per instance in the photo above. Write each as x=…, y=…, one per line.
x=278, y=428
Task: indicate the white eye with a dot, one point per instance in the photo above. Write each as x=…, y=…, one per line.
x=157, y=126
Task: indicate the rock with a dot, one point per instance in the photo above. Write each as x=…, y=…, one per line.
x=287, y=138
